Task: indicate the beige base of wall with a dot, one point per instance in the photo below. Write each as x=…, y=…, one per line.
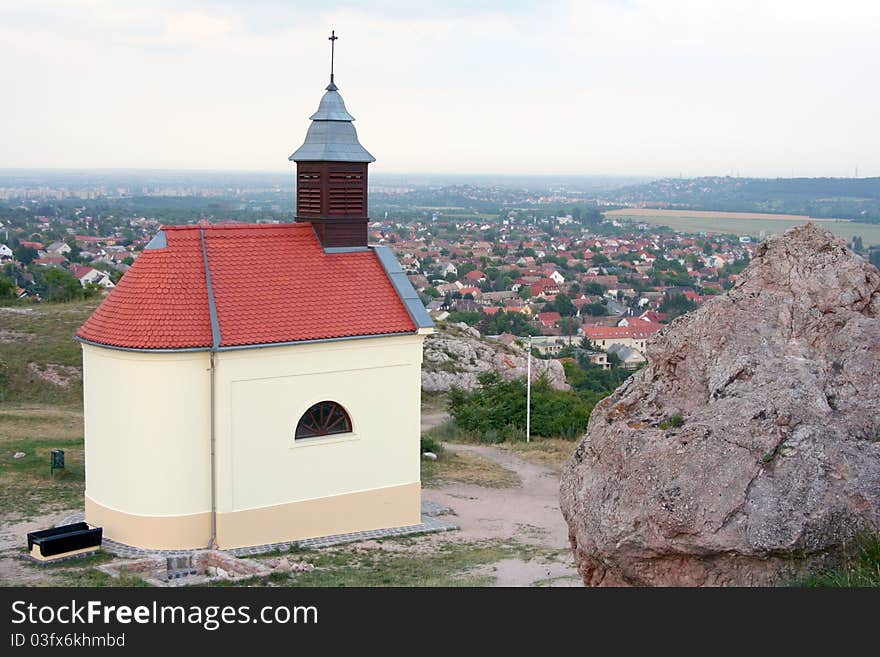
x=152, y=532
x=395, y=506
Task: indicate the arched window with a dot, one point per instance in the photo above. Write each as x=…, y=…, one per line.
x=323, y=419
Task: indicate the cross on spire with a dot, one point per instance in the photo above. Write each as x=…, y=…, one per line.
x=332, y=39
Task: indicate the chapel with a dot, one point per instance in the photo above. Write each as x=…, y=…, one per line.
x=249, y=384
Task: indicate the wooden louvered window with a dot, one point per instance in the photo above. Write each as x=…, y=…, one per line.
x=323, y=419
x=308, y=193
x=346, y=194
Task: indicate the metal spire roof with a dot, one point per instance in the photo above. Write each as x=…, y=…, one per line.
x=331, y=136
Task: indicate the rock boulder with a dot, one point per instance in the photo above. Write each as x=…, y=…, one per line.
x=747, y=451
x=455, y=356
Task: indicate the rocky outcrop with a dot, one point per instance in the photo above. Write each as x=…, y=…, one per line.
x=747, y=451
x=455, y=356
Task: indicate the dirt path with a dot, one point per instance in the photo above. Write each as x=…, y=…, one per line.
x=529, y=514
x=431, y=420
x=15, y=571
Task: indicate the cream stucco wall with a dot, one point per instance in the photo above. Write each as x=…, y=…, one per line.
x=262, y=393
x=147, y=431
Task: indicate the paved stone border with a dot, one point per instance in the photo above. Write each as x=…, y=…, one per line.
x=430, y=524
x=430, y=508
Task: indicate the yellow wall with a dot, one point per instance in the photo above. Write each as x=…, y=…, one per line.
x=147, y=427
x=262, y=393
x=147, y=431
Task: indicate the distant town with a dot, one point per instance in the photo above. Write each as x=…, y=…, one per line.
x=510, y=257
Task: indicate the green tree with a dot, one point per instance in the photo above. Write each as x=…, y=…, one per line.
x=594, y=309
x=54, y=284
x=675, y=304
x=7, y=288
x=25, y=254
x=564, y=306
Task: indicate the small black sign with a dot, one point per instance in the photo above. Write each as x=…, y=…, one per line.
x=57, y=459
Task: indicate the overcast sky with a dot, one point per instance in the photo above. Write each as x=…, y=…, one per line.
x=703, y=87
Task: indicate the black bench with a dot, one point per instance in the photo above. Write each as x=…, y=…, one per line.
x=60, y=542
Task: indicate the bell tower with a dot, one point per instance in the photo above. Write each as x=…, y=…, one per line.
x=331, y=172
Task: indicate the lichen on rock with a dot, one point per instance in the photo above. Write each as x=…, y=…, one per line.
x=775, y=464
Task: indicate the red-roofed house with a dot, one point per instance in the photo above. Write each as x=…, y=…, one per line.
x=635, y=335
x=237, y=380
x=475, y=276
x=548, y=320
x=51, y=261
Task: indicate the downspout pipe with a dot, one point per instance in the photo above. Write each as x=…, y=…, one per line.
x=213, y=540
x=215, y=345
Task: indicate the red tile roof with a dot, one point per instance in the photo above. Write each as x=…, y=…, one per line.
x=637, y=330
x=271, y=283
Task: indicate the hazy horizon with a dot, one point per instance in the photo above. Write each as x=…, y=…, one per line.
x=607, y=88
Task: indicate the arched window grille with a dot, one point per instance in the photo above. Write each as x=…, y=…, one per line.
x=323, y=419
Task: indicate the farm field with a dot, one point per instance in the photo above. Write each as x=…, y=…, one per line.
x=743, y=223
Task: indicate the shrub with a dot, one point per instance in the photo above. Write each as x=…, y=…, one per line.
x=428, y=444
x=673, y=422
x=497, y=411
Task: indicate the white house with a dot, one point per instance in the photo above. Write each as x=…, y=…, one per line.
x=58, y=248
x=5, y=251
x=88, y=275
x=250, y=384
x=448, y=268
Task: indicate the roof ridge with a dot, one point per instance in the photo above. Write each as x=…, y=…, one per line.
x=232, y=226
x=216, y=338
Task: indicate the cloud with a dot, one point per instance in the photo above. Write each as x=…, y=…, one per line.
x=530, y=87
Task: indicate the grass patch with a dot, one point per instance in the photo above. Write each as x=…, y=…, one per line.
x=673, y=422
x=43, y=335
x=79, y=572
x=549, y=452
x=450, y=432
x=860, y=567
x=447, y=565
x=27, y=487
x=467, y=468
x=95, y=577
x=434, y=402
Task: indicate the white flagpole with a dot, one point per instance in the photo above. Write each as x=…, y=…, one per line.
x=529, y=390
